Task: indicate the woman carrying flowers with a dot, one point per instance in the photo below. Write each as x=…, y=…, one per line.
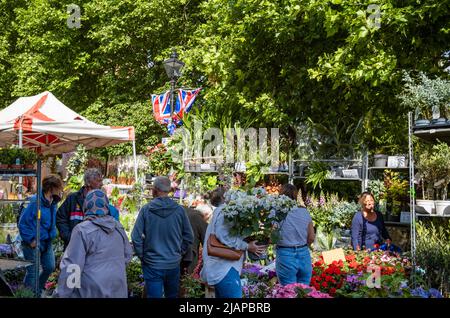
x=368, y=229
x=221, y=273
x=293, y=262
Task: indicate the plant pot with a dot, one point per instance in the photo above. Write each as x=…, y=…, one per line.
x=422, y=122
x=393, y=218
x=29, y=167
x=425, y=206
x=254, y=257
x=4, y=166
x=397, y=162
x=439, y=122
x=337, y=171
x=16, y=167
x=380, y=161
x=442, y=207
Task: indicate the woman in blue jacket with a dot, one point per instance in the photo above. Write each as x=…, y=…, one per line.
x=52, y=187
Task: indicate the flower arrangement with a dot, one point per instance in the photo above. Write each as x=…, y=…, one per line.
x=321, y=210
x=258, y=282
x=255, y=213
x=296, y=291
x=348, y=279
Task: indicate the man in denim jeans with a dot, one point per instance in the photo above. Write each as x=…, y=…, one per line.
x=161, y=236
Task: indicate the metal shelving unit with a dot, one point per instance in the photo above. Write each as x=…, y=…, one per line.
x=430, y=133
x=361, y=165
x=7, y=263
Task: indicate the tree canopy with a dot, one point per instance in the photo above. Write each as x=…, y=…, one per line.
x=331, y=65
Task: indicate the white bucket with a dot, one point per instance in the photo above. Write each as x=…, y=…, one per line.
x=380, y=161
x=425, y=206
x=442, y=207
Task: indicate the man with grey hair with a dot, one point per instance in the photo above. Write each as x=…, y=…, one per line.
x=161, y=236
x=70, y=213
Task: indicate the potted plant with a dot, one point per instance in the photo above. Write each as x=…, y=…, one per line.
x=396, y=194
x=426, y=166
x=317, y=173
x=434, y=166
x=441, y=153
x=15, y=158
x=29, y=158
x=4, y=158
x=428, y=96
x=253, y=215
x=380, y=160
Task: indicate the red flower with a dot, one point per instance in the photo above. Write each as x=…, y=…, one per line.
x=353, y=264
x=324, y=285
x=314, y=272
x=328, y=278
x=318, y=263
x=332, y=290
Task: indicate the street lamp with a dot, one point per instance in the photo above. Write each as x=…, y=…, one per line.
x=173, y=68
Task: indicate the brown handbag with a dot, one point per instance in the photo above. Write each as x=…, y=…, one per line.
x=216, y=248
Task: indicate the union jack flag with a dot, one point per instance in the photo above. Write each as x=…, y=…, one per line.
x=184, y=101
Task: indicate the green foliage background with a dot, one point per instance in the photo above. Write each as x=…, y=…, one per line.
x=274, y=63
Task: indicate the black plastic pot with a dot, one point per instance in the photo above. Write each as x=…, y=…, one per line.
x=254, y=257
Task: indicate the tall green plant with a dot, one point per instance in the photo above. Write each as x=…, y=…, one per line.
x=433, y=254
x=317, y=173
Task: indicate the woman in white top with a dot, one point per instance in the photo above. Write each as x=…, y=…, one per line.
x=221, y=273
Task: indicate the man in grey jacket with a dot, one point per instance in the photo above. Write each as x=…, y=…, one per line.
x=161, y=236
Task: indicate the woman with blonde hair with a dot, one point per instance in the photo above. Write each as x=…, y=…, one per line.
x=368, y=227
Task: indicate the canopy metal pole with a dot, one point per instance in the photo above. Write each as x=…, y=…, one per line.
x=38, y=234
x=20, y=185
x=135, y=161
x=412, y=195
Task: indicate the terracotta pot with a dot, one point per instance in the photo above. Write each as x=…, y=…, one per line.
x=16, y=167
x=29, y=167
x=4, y=166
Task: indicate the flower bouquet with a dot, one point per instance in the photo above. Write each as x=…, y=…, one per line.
x=256, y=215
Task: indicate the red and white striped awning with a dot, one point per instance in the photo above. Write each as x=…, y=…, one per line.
x=52, y=128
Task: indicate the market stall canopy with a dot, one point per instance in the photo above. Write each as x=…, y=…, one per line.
x=51, y=127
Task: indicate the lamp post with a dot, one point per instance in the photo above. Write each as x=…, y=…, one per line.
x=173, y=68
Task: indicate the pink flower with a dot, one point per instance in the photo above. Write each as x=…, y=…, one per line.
x=317, y=294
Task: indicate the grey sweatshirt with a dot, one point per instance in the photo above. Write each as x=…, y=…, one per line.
x=162, y=234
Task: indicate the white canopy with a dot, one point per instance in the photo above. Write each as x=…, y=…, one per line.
x=44, y=123
x=52, y=128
